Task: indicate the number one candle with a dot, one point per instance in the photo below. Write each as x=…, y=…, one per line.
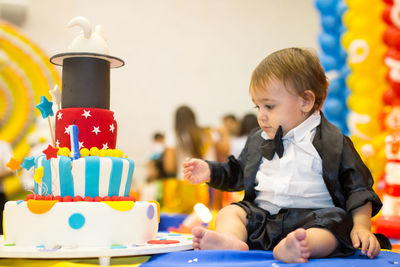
x=73, y=133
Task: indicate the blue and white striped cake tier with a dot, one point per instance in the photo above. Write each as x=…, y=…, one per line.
x=87, y=176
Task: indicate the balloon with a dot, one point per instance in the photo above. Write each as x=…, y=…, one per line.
x=393, y=53
x=386, y=15
x=388, y=97
x=333, y=57
x=358, y=23
x=330, y=23
x=341, y=8
x=363, y=105
x=335, y=86
x=326, y=6
x=328, y=42
x=391, y=37
x=358, y=51
x=328, y=62
x=334, y=108
x=364, y=86
x=345, y=70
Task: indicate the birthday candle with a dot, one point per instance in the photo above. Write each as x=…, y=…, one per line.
x=73, y=133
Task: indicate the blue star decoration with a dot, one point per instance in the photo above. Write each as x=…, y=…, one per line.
x=28, y=163
x=45, y=107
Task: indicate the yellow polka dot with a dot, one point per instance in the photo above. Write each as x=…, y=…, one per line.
x=102, y=153
x=120, y=205
x=118, y=153
x=85, y=152
x=64, y=151
x=94, y=151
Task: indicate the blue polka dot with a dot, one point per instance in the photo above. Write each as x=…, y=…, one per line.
x=150, y=212
x=76, y=221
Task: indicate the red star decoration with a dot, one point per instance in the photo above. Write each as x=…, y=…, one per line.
x=50, y=152
x=13, y=164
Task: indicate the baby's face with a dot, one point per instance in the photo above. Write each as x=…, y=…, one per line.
x=278, y=105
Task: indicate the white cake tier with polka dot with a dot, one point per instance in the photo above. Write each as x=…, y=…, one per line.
x=82, y=224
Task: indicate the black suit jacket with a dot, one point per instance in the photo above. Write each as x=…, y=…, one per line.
x=346, y=177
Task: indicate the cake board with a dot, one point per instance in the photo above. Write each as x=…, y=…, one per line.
x=163, y=242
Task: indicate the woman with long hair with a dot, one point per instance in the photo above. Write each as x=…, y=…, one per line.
x=188, y=140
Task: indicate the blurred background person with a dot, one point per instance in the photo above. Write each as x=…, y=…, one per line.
x=232, y=124
x=247, y=124
x=187, y=140
x=158, y=145
x=152, y=187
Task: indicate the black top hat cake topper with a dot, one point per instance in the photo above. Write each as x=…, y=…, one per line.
x=86, y=68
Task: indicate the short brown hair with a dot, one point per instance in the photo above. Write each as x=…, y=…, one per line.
x=296, y=67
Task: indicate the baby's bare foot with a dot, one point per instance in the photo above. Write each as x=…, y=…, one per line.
x=208, y=239
x=293, y=248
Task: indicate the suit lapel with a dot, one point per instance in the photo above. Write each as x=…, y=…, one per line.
x=328, y=141
x=253, y=162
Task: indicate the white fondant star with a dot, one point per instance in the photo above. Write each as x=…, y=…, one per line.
x=96, y=130
x=105, y=146
x=57, y=143
x=81, y=145
x=66, y=130
x=59, y=116
x=86, y=113
x=112, y=127
x=56, y=94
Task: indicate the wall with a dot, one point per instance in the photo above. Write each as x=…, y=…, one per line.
x=199, y=53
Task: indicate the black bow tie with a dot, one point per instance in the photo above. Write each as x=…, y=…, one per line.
x=270, y=146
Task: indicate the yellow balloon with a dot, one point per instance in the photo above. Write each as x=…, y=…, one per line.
x=363, y=105
x=364, y=86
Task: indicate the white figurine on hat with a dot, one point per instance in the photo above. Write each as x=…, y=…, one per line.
x=88, y=44
x=88, y=41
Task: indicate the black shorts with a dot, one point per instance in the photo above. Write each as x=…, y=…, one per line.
x=264, y=231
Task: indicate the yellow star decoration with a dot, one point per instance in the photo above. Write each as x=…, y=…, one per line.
x=38, y=175
x=14, y=164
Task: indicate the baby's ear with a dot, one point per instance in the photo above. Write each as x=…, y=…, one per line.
x=308, y=101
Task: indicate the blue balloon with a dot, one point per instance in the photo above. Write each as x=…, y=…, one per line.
x=329, y=42
x=330, y=23
x=342, y=54
x=341, y=7
x=326, y=6
x=342, y=29
x=335, y=88
x=334, y=108
x=345, y=71
x=328, y=62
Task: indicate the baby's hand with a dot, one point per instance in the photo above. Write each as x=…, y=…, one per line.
x=363, y=236
x=196, y=171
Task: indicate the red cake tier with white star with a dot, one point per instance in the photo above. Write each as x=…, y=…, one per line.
x=97, y=127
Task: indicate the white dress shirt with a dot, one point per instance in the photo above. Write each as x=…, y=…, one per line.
x=295, y=180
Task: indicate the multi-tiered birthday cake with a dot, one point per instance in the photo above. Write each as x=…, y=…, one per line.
x=82, y=182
